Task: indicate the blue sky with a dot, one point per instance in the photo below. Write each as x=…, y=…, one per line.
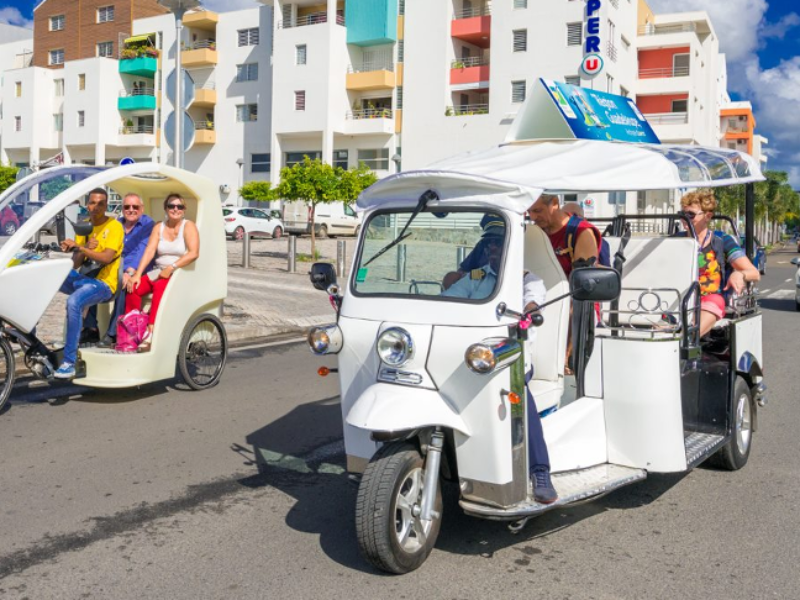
x=761, y=39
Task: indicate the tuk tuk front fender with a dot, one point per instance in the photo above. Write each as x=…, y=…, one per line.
x=388, y=407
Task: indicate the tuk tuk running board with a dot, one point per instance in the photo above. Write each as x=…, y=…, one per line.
x=572, y=487
x=699, y=446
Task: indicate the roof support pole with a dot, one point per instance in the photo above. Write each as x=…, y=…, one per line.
x=749, y=219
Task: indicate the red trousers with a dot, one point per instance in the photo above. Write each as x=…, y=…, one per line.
x=157, y=288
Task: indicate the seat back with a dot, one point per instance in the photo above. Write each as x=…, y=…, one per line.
x=549, y=349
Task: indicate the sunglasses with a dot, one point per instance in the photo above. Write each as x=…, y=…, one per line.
x=176, y=206
x=132, y=207
x=691, y=214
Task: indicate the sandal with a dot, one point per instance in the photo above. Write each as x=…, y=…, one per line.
x=144, y=345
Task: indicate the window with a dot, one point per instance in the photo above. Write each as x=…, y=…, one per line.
x=246, y=112
x=82, y=81
x=17, y=123
x=401, y=50
x=59, y=83
x=18, y=89
x=609, y=84
x=572, y=80
x=520, y=40
x=300, y=54
x=248, y=37
x=520, y=3
x=680, y=65
x=292, y=158
x=517, y=91
x=81, y=118
x=401, y=8
x=399, y=99
x=57, y=57
x=574, y=34
x=58, y=122
x=680, y=106
x=570, y=198
x=624, y=92
x=260, y=163
x=105, y=49
x=57, y=23
x=105, y=14
x=340, y=158
x=377, y=160
x=300, y=100
x=247, y=72
x=626, y=45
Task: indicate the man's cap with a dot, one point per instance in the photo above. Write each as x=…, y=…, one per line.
x=493, y=226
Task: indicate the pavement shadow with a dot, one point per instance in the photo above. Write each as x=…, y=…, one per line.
x=778, y=304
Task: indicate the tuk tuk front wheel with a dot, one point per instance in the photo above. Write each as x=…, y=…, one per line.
x=391, y=536
x=203, y=352
x=734, y=455
x=7, y=366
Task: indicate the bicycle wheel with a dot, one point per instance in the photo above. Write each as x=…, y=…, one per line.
x=7, y=366
x=203, y=352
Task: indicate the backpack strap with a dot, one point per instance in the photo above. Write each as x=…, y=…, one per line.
x=572, y=230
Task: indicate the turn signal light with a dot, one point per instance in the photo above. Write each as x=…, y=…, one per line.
x=514, y=398
x=323, y=371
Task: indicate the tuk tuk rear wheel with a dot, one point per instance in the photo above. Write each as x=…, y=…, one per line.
x=390, y=536
x=203, y=352
x=7, y=366
x=734, y=455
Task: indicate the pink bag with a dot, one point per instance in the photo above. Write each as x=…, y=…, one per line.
x=131, y=328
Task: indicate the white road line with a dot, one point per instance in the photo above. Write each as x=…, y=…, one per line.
x=249, y=285
x=763, y=293
x=788, y=280
x=781, y=295
x=268, y=344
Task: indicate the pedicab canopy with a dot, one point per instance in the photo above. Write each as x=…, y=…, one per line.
x=515, y=172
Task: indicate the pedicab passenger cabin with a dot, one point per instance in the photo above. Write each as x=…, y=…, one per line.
x=434, y=387
x=189, y=319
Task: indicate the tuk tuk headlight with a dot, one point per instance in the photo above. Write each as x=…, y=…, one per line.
x=325, y=340
x=395, y=347
x=492, y=354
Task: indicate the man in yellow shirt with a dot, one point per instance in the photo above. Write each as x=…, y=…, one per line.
x=101, y=249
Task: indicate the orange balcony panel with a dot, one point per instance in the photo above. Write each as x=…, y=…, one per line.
x=205, y=136
x=468, y=75
x=205, y=97
x=398, y=120
x=475, y=30
x=370, y=80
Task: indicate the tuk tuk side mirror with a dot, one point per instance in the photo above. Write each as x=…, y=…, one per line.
x=83, y=228
x=595, y=284
x=322, y=275
x=796, y=262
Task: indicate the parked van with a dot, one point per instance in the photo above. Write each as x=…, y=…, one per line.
x=336, y=218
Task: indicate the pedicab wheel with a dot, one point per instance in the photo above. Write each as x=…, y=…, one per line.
x=390, y=536
x=238, y=233
x=7, y=365
x=277, y=233
x=733, y=456
x=203, y=352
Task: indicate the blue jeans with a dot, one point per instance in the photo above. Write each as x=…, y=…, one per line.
x=82, y=291
x=537, y=448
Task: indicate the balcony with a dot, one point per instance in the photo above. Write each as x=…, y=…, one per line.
x=204, y=132
x=664, y=73
x=143, y=66
x=200, y=54
x=310, y=19
x=466, y=110
x=201, y=19
x=369, y=121
x=671, y=118
x=611, y=51
x=473, y=25
x=137, y=99
x=470, y=73
x=371, y=76
x=205, y=94
x=137, y=135
x=651, y=29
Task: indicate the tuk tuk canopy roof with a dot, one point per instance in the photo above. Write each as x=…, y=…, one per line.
x=516, y=173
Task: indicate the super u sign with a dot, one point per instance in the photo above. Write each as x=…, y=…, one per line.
x=592, y=64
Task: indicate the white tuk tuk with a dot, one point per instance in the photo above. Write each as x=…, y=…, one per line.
x=188, y=329
x=433, y=387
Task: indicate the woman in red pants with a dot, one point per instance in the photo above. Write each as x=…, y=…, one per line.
x=175, y=243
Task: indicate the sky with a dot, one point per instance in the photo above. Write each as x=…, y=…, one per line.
x=761, y=39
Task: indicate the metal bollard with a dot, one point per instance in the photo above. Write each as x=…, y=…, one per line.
x=341, y=253
x=292, y=253
x=461, y=254
x=246, y=250
x=401, y=262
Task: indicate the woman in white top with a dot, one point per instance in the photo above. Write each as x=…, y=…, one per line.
x=175, y=243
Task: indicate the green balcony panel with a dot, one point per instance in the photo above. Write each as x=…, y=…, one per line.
x=143, y=66
x=371, y=22
x=137, y=103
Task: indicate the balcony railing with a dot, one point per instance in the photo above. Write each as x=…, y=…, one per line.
x=139, y=91
x=472, y=61
x=463, y=110
x=671, y=118
x=663, y=73
x=476, y=11
x=134, y=129
x=369, y=113
x=208, y=85
x=204, y=125
x=737, y=129
x=373, y=65
x=611, y=51
x=651, y=29
x=312, y=19
x=202, y=44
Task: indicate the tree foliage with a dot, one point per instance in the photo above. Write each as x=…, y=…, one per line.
x=258, y=191
x=775, y=200
x=8, y=176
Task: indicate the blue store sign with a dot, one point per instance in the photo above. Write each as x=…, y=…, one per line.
x=592, y=64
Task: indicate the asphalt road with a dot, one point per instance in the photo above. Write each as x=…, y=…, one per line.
x=155, y=493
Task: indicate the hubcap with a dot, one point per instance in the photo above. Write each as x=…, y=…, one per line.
x=743, y=424
x=412, y=532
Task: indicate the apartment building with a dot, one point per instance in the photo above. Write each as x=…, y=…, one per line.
x=16, y=51
x=738, y=127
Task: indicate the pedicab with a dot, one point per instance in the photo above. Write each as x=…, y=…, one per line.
x=433, y=386
x=188, y=332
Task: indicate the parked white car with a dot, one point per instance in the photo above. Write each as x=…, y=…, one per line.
x=256, y=222
x=334, y=218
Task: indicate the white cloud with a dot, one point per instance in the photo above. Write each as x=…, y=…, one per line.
x=12, y=16
x=229, y=5
x=782, y=27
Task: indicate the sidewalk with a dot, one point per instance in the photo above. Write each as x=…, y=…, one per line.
x=263, y=301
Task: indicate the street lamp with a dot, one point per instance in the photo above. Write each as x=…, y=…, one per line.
x=178, y=8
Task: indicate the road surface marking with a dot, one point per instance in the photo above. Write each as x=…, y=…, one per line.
x=788, y=280
x=781, y=295
x=268, y=344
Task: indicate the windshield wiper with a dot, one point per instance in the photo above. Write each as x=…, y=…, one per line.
x=423, y=202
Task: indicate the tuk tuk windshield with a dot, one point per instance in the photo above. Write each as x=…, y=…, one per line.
x=453, y=254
